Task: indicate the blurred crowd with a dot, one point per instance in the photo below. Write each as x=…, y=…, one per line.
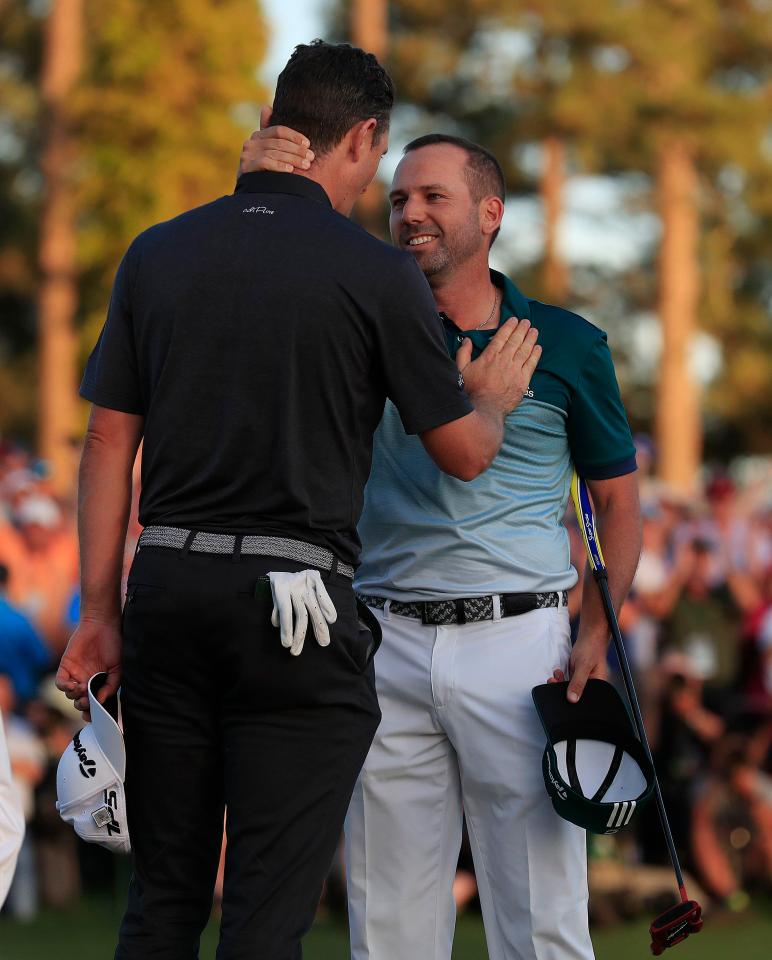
x=697, y=628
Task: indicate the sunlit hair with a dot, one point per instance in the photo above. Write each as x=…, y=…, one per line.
x=327, y=88
x=482, y=171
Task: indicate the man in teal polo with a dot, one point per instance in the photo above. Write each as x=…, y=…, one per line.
x=469, y=581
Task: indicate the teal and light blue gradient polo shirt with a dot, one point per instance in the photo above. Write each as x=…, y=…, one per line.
x=426, y=535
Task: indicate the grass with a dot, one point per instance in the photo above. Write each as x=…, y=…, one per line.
x=87, y=932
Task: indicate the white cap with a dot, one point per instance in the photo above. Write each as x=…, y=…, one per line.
x=89, y=779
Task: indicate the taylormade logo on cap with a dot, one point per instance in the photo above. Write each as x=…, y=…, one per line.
x=559, y=788
x=87, y=767
x=89, y=779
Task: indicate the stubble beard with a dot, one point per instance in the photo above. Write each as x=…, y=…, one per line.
x=451, y=250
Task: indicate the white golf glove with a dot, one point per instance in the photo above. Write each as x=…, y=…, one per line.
x=298, y=596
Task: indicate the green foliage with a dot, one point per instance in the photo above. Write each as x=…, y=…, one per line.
x=617, y=80
x=166, y=95
x=156, y=118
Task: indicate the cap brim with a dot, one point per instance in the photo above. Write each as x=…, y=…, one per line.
x=104, y=720
x=600, y=713
x=595, y=767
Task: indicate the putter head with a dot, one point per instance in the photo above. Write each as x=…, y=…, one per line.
x=675, y=925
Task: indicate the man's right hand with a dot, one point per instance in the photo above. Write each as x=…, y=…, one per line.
x=499, y=377
x=94, y=647
x=496, y=382
x=280, y=149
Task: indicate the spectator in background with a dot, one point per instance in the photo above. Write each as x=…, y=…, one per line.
x=44, y=565
x=11, y=819
x=55, y=721
x=701, y=620
x=683, y=737
x=28, y=759
x=23, y=655
x=738, y=544
x=651, y=579
x=732, y=823
x=764, y=647
x=757, y=650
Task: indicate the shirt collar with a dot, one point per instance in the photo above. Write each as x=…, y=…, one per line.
x=513, y=304
x=292, y=183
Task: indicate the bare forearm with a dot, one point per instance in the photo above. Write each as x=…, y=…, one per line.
x=619, y=529
x=104, y=500
x=487, y=431
x=464, y=448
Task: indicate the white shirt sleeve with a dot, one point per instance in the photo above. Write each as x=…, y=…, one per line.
x=11, y=820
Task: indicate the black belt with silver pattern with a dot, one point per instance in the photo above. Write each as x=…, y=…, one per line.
x=177, y=538
x=468, y=609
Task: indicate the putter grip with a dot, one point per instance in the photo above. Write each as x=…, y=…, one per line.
x=583, y=506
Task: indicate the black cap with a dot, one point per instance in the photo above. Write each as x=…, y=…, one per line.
x=595, y=768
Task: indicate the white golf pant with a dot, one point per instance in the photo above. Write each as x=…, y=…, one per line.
x=460, y=733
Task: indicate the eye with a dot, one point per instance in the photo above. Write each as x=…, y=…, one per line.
x=397, y=203
x=435, y=196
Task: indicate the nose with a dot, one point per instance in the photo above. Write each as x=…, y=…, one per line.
x=413, y=211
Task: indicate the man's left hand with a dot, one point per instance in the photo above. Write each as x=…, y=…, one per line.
x=588, y=659
x=280, y=149
x=94, y=647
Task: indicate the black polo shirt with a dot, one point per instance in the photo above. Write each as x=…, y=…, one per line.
x=259, y=336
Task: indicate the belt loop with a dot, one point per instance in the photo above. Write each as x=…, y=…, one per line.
x=387, y=609
x=496, y=598
x=188, y=544
x=334, y=567
x=460, y=611
x=236, y=555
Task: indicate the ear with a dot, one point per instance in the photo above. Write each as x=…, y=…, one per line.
x=361, y=138
x=491, y=215
x=265, y=117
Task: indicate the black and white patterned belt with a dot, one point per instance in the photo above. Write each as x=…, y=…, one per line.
x=468, y=609
x=197, y=541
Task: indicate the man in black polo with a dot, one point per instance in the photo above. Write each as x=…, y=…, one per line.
x=252, y=343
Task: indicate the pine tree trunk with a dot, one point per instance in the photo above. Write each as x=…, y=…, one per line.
x=678, y=420
x=552, y=187
x=57, y=295
x=370, y=31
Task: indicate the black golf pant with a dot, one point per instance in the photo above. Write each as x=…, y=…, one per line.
x=217, y=714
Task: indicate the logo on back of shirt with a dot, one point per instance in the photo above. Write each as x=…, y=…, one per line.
x=258, y=210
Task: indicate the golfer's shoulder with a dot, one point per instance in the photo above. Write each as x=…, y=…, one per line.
x=381, y=260
x=573, y=327
x=188, y=223
x=570, y=338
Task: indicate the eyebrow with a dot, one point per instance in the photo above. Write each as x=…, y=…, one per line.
x=425, y=187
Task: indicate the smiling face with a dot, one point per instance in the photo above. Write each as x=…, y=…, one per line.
x=433, y=214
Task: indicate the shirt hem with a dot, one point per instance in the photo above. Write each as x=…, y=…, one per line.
x=111, y=404
x=438, y=418
x=619, y=468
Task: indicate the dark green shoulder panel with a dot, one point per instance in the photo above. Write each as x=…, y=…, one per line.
x=566, y=340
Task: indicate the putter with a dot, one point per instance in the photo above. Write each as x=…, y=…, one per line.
x=677, y=922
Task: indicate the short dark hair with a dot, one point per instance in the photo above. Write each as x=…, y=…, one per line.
x=483, y=172
x=326, y=88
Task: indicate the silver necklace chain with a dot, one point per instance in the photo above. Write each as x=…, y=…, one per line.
x=487, y=320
